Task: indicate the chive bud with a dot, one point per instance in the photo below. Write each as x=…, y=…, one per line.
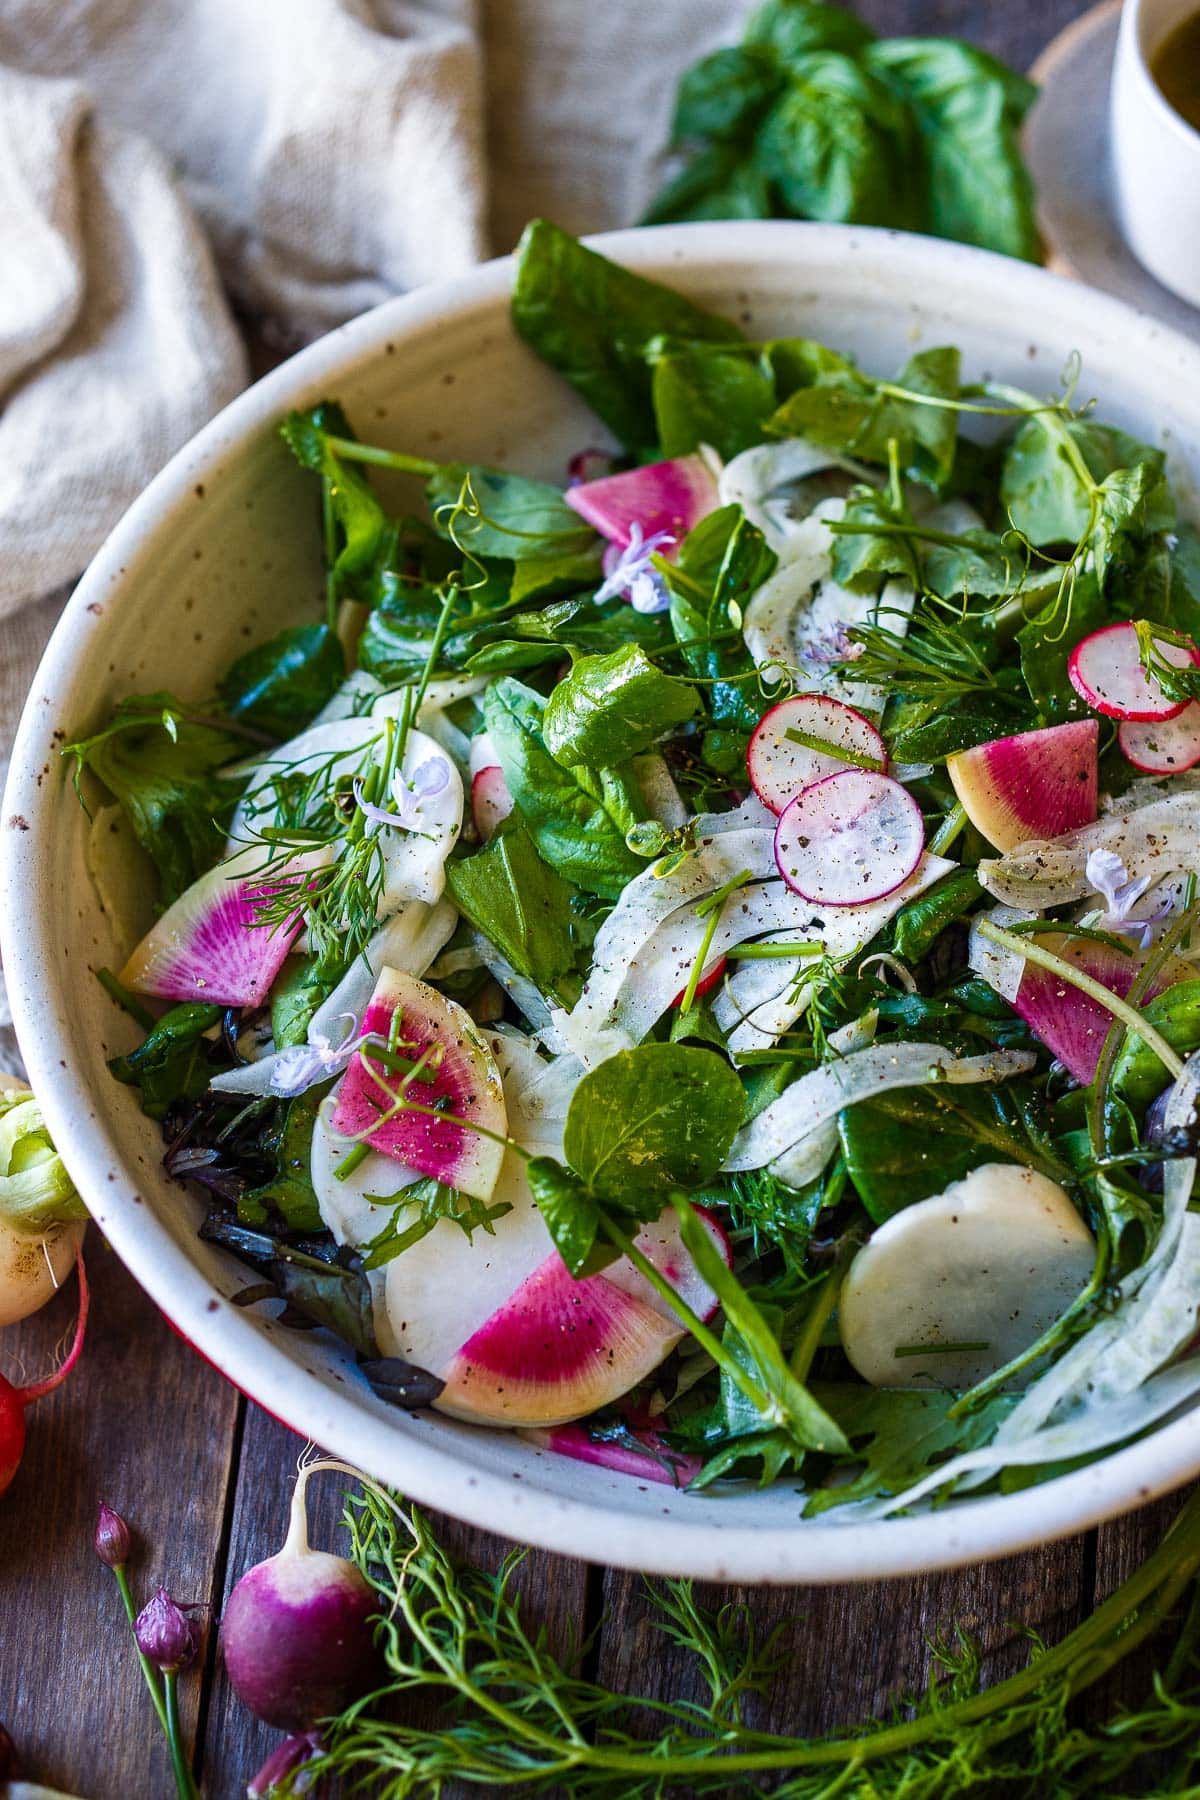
x=111, y=1539
x=291, y=1755
x=165, y=1634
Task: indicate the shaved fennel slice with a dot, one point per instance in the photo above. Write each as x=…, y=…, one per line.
x=807, y=1158
x=750, y=814
x=646, y=902
x=809, y=1102
x=353, y=698
x=758, y=481
x=764, y=998
x=1155, y=839
x=409, y=941
x=1001, y=969
x=660, y=796
x=799, y=616
x=523, y=993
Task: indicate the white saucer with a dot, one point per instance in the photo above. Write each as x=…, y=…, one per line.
x=1066, y=147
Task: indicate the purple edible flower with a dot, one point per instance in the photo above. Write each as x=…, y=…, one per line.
x=428, y=778
x=165, y=1634
x=300, y=1066
x=633, y=575
x=1108, y=877
x=832, y=646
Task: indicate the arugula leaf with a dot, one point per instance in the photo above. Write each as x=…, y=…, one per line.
x=592, y=320
x=173, y=1061
x=645, y=1120
x=610, y=707
x=721, y=562
x=968, y=109
x=899, y=1435
x=161, y=766
x=433, y=1201
x=859, y=416
x=289, y=1193
x=278, y=686
x=578, y=818
x=705, y=394
x=521, y=903
x=511, y=516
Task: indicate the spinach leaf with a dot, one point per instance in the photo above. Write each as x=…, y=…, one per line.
x=898, y=1435
x=174, y=1061
x=161, y=766
x=578, y=818
x=592, y=321
x=505, y=515
x=361, y=522
x=1045, y=645
x=721, y=562
x=705, y=394
x=296, y=994
x=289, y=1194
x=531, y=639
x=571, y=1214
x=610, y=707
x=942, y=733
x=520, y=903
x=1138, y=1076
x=920, y=922
x=650, y=1119
x=968, y=110
x=857, y=415
x=278, y=686
x=863, y=556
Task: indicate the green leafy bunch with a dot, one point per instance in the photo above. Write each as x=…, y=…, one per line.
x=814, y=117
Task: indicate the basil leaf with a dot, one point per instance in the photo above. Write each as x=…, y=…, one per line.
x=720, y=182
x=279, y=686
x=724, y=95
x=592, y=320
x=577, y=818
x=173, y=1061
x=793, y=30
x=646, y=1120
x=161, y=766
x=520, y=903
x=703, y=394
x=610, y=707
x=516, y=517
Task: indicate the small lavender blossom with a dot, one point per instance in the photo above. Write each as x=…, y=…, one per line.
x=1108, y=877
x=832, y=646
x=634, y=576
x=428, y=778
x=301, y=1066
x=165, y=1634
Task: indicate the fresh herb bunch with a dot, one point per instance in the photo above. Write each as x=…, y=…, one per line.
x=812, y=116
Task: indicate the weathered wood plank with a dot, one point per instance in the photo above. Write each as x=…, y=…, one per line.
x=235, y=1744
x=148, y=1427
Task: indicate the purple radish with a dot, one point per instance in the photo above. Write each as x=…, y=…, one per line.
x=553, y=1349
x=491, y=801
x=1035, y=785
x=209, y=944
x=1105, y=669
x=655, y=1461
x=1069, y=1023
x=849, y=838
x=297, y=1635
x=666, y=497
x=439, y=1107
x=1162, y=746
x=785, y=754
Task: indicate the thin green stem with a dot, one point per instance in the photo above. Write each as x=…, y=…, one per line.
x=820, y=1313
x=329, y=532
x=949, y=829
x=350, y=451
x=185, y=1785
x=149, y=1672
x=809, y=740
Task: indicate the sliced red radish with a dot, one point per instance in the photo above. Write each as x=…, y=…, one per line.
x=1105, y=669
x=1069, y=1023
x=210, y=944
x=849, y=838
x=785, y=752
x=463, y=1089
x=559, y=1348
x=645, y=1455
x=1035, y=785
x=1162, y=746
x=707, y=982
x=664, y=496
x=491, y=801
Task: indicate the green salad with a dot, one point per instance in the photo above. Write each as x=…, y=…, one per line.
x=696, y=965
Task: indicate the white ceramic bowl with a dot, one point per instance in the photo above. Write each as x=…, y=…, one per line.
x=221, y=550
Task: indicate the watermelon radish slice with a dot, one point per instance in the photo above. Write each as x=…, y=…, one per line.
x=1105, y=670
x=779, y=765
x=1071, y=1024
x=653, y=1461
x=849, y=838
x=1035, y=785
x=491, y=801
x=559, y=1348
x=664, y=496
x=1162, y=746
x=465, y=1089
x=209, y=944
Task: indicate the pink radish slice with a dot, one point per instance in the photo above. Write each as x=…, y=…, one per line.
x=665, y=496
x=465, y=1090
x=1105, y=670
x=490, y=800
x=1035, y=785
x=1162, y=746
x=209, y=944
x=707, y=981
x=849, y=838
x=1071, y=1024
x=654, y=1462
x=779, y=767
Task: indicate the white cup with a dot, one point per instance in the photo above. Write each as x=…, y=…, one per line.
x=1155, y=153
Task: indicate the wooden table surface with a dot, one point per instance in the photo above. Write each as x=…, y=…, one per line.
x=205, y=1476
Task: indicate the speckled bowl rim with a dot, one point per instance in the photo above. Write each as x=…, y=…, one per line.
x=818, y=1552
